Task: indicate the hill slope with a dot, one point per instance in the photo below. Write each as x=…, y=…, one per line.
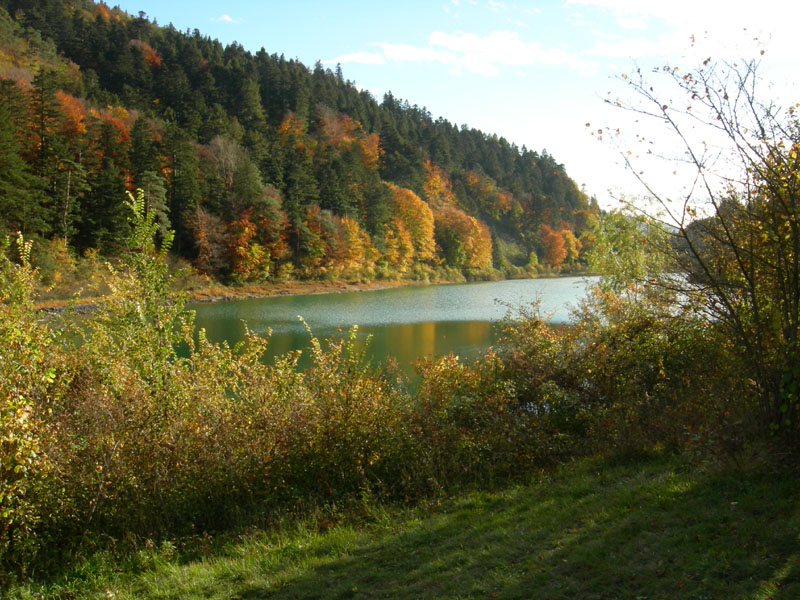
x=263, y=166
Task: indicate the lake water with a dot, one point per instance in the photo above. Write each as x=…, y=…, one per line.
x=405, y=323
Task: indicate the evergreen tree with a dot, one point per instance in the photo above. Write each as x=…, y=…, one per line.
x=183, y=190
x=20, y=208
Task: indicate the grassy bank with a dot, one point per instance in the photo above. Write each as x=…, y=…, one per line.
x=652, y=528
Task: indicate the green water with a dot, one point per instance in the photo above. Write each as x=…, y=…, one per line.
x=404, y=323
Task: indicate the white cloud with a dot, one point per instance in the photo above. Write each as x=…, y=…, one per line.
x=226, y=19
x=361, y=58
x=497, y=6
x=469, y=52
x=407, y=53
x=724, y=24
x=484, y=55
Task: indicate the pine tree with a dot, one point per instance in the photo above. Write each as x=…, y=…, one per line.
x=19, y=188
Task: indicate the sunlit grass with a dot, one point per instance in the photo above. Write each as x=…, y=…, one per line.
x=650, y=529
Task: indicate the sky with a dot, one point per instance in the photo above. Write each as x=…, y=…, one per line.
x=534, y=72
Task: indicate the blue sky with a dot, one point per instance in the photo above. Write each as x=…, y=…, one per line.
x=533, y=72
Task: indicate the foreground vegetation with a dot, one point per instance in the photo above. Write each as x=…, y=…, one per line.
x=111, y=439
x=650, y=528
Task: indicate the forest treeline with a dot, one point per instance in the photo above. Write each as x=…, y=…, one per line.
x=264, y=168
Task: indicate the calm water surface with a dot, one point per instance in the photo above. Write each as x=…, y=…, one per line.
x=405, y=323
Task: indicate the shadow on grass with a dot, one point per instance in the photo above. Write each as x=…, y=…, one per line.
x=647, y=530
x=642, y=532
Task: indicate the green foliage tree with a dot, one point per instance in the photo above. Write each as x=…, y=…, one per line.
x=155, y=200
x=628, y=248
x=19, y=189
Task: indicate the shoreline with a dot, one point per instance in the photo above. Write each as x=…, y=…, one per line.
x=293, y=288
x=221, y=293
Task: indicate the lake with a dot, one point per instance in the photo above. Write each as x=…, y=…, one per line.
x=405, y=323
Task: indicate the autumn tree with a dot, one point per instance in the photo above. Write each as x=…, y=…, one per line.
x=572, y=245
x=399, y=247
x=249, y=260
x=416, y=218
x=465, y=241
x=353, y=254
x=210, y=241
x=553, y=246
x=438, y=190
x=736, y=230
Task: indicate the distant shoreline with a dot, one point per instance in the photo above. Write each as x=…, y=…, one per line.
x=221, y=293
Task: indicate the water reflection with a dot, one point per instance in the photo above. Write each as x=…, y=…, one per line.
x=405, y=343
x=405, y=323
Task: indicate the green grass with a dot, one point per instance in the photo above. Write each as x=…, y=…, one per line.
x=656, y=528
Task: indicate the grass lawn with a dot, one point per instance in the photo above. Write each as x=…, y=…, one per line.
x=656, y=528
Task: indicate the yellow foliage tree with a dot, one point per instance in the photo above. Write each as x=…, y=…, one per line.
x=417, y=218
x=399, y=254
x=437, y=189
x=465, y=241
x=571, y=244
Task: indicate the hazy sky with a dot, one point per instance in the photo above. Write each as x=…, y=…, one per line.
x=533, y=72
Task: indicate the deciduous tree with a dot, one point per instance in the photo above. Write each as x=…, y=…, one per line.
x=736, y=230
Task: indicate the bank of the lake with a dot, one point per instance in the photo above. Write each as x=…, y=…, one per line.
x=305, y=287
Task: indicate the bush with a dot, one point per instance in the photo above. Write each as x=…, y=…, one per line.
x=28, y=381
x=629, y=375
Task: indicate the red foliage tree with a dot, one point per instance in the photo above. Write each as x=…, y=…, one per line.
x=555, y=251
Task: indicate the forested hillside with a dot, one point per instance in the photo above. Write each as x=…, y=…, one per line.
x=264, y=167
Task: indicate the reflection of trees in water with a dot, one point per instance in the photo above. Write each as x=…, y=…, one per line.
x=380, y=314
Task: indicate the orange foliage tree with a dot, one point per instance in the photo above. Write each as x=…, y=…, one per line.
x=399, y=254
x=292, y=133
x=370, y=151
x=119, y=118
x=553, y=245
x=74, y=122
x=343, y=132
x=249, y=259
x=492, y=200
x=353, y=255
x=209, y=234
x=150, y=55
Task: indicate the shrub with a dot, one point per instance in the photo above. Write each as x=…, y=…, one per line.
x=27, y=381
x=628, y=374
